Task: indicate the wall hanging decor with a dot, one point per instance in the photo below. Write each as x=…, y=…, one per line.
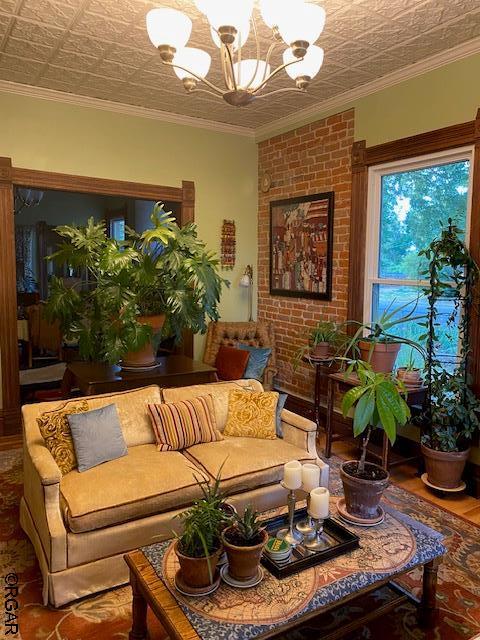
x=301, y=242
x=227, y=254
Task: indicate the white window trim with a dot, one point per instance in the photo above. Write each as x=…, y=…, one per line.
x=375, y=175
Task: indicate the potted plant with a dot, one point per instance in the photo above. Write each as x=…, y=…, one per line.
x=410, y=375
x=153, y=284
x=244, y=541
x=381, y=346
x=199, y=547
x=450, y=418
x=322, y=339
x=377, y=402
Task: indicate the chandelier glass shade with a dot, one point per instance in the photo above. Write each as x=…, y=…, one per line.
x=295, y=26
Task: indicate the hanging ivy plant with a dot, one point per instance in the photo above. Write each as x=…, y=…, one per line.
x=451, y=412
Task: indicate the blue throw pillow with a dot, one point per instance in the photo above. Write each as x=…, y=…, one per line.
x=282, y=398
x=97, y=436
x=257, y=361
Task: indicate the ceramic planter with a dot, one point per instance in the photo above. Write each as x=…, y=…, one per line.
x=243, y=562
x=362, y=497
x=320, y=350
x=445, y=469
x=195, y=570
x=409, y=377
x=144, y=357
x=380, y=355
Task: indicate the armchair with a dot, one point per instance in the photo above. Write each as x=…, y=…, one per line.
x=255, y=334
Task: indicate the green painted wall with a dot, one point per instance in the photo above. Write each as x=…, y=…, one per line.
x=40, y=134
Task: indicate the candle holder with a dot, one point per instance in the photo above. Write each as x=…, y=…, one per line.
x=290, y=534
x=307, y=526
x=317, y=542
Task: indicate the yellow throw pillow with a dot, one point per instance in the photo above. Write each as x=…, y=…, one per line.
x=252, y=414
x=56, y=432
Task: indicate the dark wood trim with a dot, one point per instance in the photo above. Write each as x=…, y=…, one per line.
x=358, y=232
x=101, y=186
x=8, y=301
x=13, y=176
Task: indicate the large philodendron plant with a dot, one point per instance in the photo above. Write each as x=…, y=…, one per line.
x=164, y=270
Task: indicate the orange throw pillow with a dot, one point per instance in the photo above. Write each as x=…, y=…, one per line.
x=231, y=363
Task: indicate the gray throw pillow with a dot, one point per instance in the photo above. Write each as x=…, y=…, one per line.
x=97, y=436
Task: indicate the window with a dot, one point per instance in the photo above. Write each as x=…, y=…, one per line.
x=408, y=202
x=117, y=228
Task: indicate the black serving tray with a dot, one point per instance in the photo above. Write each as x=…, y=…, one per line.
x=338, y=540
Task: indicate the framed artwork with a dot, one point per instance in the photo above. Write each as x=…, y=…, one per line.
x=301, y=244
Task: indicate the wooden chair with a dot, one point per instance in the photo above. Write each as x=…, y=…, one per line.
x=255, y=334
x=45, y=337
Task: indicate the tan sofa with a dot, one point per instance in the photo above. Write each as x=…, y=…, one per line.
x=81, y=524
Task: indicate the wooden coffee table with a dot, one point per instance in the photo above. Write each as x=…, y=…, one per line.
x=386, y=552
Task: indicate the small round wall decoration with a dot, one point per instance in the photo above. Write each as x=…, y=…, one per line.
x=266, y=182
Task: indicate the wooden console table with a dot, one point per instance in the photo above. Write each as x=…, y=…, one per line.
x=172, y=371
x=339, y=381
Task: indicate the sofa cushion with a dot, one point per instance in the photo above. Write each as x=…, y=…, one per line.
x=219, y=392
x=142, y=483
x=250, y=463
x=131, y=406
x=179, y=425
x=252, y=414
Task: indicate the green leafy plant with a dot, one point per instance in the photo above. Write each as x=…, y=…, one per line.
x=164, y=270
x=377, y=402
x=247, y=530
x=450, y=418
x=324, y=331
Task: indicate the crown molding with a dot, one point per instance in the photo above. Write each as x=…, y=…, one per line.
x=344, y=100
x=119, y=107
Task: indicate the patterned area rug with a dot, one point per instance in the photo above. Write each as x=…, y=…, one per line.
x=107, y=615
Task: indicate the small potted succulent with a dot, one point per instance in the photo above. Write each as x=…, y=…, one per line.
x=323, y=340
x=244, y=541
x=199, y=547
x=410, y=375
x=377, y=402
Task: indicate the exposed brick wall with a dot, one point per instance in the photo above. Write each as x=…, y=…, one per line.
x=312, y=159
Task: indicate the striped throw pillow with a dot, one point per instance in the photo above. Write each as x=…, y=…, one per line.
x=178, y=425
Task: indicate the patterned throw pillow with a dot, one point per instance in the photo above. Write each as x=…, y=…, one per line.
x=179, y=425
x=56, y=432
x=252, y=414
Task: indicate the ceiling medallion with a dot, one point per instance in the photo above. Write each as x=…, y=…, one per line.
x=295, y=23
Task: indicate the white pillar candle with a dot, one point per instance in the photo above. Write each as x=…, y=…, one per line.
x=292, y=475
x=319, y=503
x=310, y=477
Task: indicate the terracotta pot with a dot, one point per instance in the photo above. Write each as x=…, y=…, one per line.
x=381, y=355
x=445, y=469
x=195, y=570
x=144, y=357
x=409, y=377
x=362, y=497
x=321, y=350
x=243, y=562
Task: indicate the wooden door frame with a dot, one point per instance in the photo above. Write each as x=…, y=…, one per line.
x=11, y=177
x=363, y=157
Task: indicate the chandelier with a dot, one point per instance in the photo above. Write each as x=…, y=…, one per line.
x=294, y=23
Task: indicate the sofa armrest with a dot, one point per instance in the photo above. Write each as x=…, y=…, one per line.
x=299, y=422
x=300, y=432
x=44, y=463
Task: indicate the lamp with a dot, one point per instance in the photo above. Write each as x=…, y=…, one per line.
x=294, y=24
x=246, y=281
x=27, y=198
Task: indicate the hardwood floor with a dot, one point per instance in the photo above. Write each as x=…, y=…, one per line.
x=406, y=476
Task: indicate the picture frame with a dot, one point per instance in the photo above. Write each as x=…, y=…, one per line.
x=301, y=246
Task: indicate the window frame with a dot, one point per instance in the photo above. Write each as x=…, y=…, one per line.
x=373, y=214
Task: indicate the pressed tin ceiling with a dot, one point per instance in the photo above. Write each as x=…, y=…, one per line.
x=100, y=49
